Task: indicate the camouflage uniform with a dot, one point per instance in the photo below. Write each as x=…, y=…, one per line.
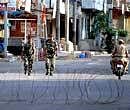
x=50, y=48
x=28, y=52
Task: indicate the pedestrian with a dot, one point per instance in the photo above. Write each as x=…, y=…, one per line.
x=50, y=54
x=28, y=55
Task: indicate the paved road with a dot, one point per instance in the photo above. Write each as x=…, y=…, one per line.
x=75, y=85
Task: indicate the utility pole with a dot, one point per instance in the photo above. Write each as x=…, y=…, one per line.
x=50, y=4
x=110, y=12
x=123, y=13
x=58, y=21
x=74, y=25
x=38, y=29
x=80, y=22
x=67, y=22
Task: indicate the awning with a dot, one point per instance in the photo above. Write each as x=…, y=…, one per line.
x=12, y=13
x=18, y=14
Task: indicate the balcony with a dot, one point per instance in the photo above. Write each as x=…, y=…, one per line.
x=93, y=4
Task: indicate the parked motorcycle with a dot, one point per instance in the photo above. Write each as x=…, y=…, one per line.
x=119, y=69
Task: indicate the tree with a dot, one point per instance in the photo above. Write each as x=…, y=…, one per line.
x=110, y=32
x=100, y=24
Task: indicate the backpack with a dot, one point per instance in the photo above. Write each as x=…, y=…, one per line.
x=51, y=48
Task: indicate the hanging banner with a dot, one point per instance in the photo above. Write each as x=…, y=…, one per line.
x=44, y=14
x=20, y=4
x=28, y=5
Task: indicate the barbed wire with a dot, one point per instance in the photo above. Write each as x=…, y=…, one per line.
x=68, y=91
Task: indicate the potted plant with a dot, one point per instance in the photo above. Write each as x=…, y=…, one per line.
x=122, y=33
x=110, y=32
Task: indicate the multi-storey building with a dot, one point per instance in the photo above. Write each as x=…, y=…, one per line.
x=20, y=24
x=41, y=21
x=121, y=15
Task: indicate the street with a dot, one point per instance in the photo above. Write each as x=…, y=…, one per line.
x=82, y=84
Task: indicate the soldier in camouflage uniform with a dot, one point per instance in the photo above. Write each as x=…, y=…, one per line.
x=28, y=52
x=50, y=54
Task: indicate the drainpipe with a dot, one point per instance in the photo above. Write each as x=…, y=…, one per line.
x=58, y=21
x=74, y=25
x=25, y=31
x=80, y=23
x=67, y=23
x=5, y=29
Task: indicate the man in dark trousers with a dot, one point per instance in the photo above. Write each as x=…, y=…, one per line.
x=50, y=54
x=28, y=54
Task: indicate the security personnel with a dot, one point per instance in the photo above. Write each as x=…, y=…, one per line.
x=120, y=52
x=28, y=54
x=50, y=54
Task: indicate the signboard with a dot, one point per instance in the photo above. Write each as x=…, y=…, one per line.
x=11, y=5
x=20, y=3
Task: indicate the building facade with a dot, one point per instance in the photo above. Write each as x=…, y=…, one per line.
x=75, y=27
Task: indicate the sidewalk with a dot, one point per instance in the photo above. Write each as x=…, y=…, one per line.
x=67, y=55
x=63, y=55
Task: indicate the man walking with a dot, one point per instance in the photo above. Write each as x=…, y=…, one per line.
x=50, y=54
x=28, y=54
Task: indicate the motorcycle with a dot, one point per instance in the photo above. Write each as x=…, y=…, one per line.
x=119, y=69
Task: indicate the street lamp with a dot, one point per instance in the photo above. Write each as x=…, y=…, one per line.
x=5, y=2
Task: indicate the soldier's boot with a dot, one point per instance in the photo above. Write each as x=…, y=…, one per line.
x=51, y=70
x=47, y=69
x=51, y=73
x=29, y=71
x=29, y=67
x=47, y=72
x=25, y=69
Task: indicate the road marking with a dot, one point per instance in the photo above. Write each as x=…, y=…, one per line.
x=60, y=76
